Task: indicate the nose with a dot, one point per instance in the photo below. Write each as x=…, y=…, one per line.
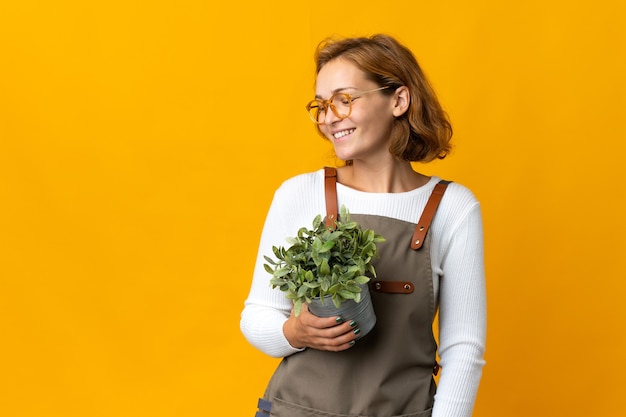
x=330, y=117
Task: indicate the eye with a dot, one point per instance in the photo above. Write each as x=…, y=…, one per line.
x=344, y=99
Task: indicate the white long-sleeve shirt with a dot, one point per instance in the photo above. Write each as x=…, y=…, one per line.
x=457, y=265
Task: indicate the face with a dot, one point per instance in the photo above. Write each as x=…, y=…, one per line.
x=365, y=134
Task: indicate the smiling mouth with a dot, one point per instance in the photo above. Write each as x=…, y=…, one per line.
x=343, y=133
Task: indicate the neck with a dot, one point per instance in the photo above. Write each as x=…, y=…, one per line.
x=394, y=177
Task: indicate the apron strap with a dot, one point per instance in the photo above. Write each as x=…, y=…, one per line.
x=330, y=190
x=428, y=214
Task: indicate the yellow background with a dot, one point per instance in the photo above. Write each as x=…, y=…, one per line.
x=141, y=142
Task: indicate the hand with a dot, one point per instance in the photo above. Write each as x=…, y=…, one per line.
x=322, y=333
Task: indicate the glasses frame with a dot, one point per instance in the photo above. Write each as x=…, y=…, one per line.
x=326, y=104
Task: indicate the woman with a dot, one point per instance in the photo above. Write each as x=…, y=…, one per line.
x=376, y=107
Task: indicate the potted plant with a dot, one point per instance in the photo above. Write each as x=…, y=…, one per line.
x=328, y=268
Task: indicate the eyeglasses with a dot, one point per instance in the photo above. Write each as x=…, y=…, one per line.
x=340, y=104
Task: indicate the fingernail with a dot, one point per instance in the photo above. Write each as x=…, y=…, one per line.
x=351, y=343
x=339, y=319
x=357, y=331
x=352, y=323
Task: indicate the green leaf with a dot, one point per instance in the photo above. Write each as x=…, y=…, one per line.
x=327, y=246
x=336, y=300
x=335, y=235
x=353, y=288
x=297, y=307
x=362, y=279
x=349, y=226
x=343, y=212
x=317, y=221
x=281, y=272
x=302, y=291
x=334, y=288
x=309, y=276
x=346, y=294
x=324, y=267
x=269, y=260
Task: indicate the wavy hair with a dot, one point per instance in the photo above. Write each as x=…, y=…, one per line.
x=423, y=132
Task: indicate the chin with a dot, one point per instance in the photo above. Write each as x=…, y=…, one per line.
x=343, y=156
x=343, y=153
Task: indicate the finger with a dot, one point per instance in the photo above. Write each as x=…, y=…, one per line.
x=309, y=319
x=341, y=342
x=343, y=328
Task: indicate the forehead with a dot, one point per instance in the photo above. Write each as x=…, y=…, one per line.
x=339, y=74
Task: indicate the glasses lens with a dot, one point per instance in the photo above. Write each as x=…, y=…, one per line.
x=341, y=104
x=316, y=110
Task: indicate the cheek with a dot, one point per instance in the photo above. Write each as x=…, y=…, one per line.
x=323, y=130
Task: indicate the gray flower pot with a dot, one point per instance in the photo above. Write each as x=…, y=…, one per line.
x=362, y=312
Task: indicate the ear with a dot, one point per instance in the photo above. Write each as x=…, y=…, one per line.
x=402, y=99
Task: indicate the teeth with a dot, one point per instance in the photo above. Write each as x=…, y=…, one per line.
x=343, y=133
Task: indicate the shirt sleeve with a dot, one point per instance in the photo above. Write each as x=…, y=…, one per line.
x=266, y=309
x=462, y=317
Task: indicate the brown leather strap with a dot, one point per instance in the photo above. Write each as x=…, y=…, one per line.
x=428, y=214
x=330, y=190
x=436, y=369
x=392, y=287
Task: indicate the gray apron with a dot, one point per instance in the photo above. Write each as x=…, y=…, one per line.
x=389, y=372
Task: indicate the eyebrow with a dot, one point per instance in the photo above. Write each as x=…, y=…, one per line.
x=337, y=90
